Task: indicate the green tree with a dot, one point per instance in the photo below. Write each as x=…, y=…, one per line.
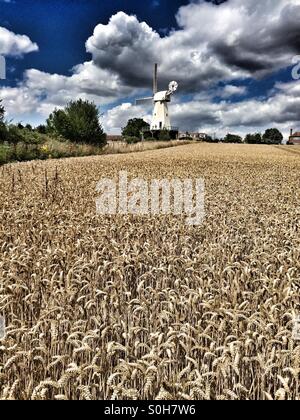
x=78, y=122
x=14, y=135
x=3, y=132
x=210, y=139
x=3, y=128
x=272, y=136
x=232, y=138
x=253, y=138
x=2, y=112
x=134, y=128
x=42, y=129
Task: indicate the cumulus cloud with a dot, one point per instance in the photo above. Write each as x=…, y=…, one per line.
x=281, y=108
x=129, y=48
x=229, y=43
x=231, y=90
x=15, y=45
x=236, y=39
x=126, y=47
x=44, y=91
x=116, y=118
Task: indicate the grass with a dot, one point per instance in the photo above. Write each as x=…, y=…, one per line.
x=132, y=307
x=120, y=148
x=49, y=149
x=55, y=149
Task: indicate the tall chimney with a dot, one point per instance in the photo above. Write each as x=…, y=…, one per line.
x=155, y=83
x=291, y=132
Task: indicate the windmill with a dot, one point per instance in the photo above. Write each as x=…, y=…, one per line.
x=161, y=117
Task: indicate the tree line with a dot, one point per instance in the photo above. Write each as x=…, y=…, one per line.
x=73, y=131
x=132, y=133
x=78, y=122
x=270, y=136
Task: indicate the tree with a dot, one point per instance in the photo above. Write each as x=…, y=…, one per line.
x=210, y=139
x=14, y=135
x=232, y=138
x=78, y=122
x=3, y=128
x=2, y=112
x=272, y=136
x=253, y=138
x=42, y=129
x=134, y=128
x=3, y=133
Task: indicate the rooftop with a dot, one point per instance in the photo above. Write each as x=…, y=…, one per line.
x=297, y=134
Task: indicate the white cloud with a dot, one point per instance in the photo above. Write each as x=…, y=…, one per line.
x=12, y=44
x=231, y=90
x=236, y=40
x=42, y=92
x=117, y=117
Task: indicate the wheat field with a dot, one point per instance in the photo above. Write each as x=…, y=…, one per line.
x=127, y=307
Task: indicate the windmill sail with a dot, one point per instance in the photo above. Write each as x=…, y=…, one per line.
x=144, y=101
x=155, y=79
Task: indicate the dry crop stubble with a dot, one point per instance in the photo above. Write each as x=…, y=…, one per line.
x=133, y=307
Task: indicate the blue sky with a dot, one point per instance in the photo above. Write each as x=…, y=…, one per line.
x=233, y=60
x=61, y=27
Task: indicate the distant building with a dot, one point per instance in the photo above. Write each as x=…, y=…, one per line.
x=194, y=136
x=294, y=137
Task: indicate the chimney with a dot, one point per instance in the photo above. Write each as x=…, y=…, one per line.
x=291, y=132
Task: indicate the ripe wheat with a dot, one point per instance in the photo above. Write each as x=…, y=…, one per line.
x=132, y=307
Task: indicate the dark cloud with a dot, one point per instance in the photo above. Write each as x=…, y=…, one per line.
x=265, y=46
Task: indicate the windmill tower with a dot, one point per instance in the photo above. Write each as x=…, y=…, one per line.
x=161, y=117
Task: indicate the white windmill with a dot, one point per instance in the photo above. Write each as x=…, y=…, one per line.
x=161, y=117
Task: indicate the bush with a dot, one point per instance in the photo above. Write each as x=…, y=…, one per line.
x=164, y=135
x=132, y=140
x=13, y=134
x=186, y=138
x=5, y=154
x=232, y=138
x=42, y=129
